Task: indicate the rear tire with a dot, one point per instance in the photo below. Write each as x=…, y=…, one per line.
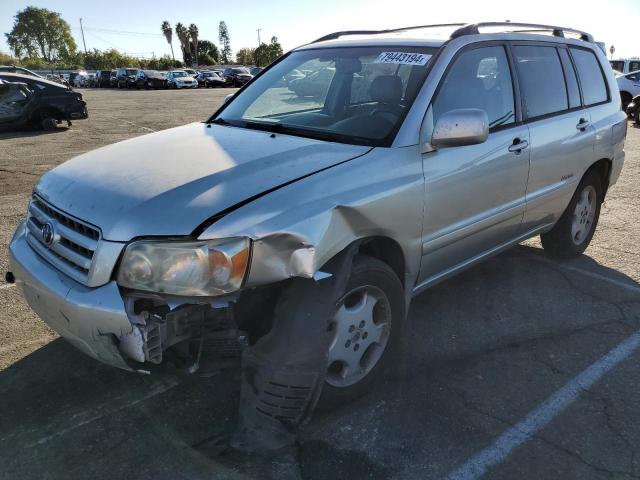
x=48, y=124
x=375, y=288
x=574, y=230
x=625, y=98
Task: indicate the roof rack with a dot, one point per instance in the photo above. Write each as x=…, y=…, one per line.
x=466, y=29
x=334, y=35
x=473, y=29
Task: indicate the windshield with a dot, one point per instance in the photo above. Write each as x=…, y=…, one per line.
x=179, y=74
x=351, y=95
x=240, y=71
x=131, y=71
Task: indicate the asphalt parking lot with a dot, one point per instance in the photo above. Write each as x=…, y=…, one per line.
x=521, y=367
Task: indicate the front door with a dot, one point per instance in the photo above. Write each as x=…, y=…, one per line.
x=474, y=195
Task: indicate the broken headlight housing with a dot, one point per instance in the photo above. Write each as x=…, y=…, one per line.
x=195, y=268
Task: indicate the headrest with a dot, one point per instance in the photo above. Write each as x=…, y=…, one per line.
x=386, y=89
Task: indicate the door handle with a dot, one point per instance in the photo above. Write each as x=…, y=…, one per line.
x=518, y=145
x=583, y=124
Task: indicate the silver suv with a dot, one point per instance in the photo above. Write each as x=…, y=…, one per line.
x=292, y=228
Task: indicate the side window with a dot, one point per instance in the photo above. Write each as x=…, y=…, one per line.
x=634, y=65
x=541, y=80
x=570, y=77
x=633, y=77
x=594, y=88
x=479, y=78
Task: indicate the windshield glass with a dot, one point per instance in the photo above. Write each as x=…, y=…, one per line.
x=179, y=74
x=352, y=95
x=131, y=71
x=240, y=70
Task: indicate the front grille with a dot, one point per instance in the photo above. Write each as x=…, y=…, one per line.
x=72, y=243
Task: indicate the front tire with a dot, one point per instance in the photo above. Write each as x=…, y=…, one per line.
x=368, y=328
x=574, y=230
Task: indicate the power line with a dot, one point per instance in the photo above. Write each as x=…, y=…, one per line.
x=124, y=32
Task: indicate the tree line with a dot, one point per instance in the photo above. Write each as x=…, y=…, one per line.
x=41, y=39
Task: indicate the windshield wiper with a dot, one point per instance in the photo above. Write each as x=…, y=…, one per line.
x=220, y=121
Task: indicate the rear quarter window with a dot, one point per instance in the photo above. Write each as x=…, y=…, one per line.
x=541, y=80
x=594, y=87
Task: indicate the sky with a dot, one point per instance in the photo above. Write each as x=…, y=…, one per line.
x=134, y=27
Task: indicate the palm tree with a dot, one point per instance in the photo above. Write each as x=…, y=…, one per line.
x=183, y=36
x=168, y=34
x=193, y=32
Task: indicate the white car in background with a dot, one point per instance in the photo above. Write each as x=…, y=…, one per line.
x=629, y=86
x=180, y=79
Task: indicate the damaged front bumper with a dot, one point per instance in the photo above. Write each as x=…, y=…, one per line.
x=121, y=329
x=92, y=319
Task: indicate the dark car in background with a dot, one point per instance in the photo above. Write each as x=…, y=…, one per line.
x=255, y=70
x=126, y=77
x=103, y=79
x=210, y=79
x=150, y=79
x=37, y=102
x=113, y=79
x=236, y=76
x=633, y=110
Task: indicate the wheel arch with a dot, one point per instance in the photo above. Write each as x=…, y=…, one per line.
x=602, y=168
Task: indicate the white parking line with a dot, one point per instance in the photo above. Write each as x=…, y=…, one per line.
x=478, y=465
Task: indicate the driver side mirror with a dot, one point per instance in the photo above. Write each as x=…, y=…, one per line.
x=464, y=126
x=228, y=97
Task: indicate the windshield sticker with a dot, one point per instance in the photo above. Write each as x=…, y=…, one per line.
x=403, y=58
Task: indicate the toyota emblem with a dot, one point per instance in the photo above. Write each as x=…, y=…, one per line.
x=48, y=234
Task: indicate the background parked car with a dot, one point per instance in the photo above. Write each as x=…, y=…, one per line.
x=633, y=110
x=47, y=104
x=180, y=79
x=210, y=79
x=79, y=78
x=236, y=76
x=255, y=70
x=625, y=65
x=150, y=79
x=103, y=78
x=190, y=71
x=629, y=86
x=57, y=78
x=126, y=77
x=113, y=78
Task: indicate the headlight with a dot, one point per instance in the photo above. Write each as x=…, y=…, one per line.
x=203, y=268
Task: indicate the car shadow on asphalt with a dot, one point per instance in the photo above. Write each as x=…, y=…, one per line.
x=66, y=414
x=28, y=133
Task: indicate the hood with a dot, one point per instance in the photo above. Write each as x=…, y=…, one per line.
x=168, y=183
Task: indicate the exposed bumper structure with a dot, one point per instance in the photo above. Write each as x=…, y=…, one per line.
x=92, y=319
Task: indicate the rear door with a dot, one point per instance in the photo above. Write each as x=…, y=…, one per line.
x=562, y=137
x=475, y=194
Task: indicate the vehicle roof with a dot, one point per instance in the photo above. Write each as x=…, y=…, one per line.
x=20, y=77
x=434, y=39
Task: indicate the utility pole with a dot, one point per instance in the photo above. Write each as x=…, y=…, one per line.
x=259, y=36
x=83, y=43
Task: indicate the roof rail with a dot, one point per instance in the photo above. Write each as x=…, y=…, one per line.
x=334, y=35
x=474, y=28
